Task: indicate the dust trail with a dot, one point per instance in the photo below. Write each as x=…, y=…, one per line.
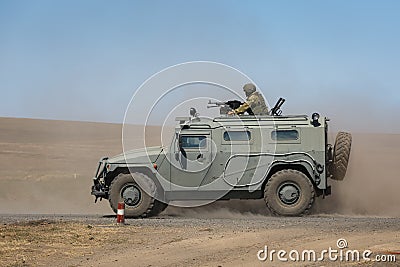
x=370, y=187
x=232, y=209
x=372, y=182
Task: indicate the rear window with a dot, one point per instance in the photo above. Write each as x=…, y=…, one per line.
x=284, y=135
x=237, y=136
x=191, y=141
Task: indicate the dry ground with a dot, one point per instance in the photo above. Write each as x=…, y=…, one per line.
x=182, y=241
x=46, y=168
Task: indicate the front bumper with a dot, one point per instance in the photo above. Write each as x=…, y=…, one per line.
x=98, y=187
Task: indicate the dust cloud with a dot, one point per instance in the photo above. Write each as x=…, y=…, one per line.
x=370, y=187
x=47, y=167
x=231, y=209
x=372, y=180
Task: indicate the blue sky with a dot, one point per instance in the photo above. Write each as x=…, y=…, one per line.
x=83, y=60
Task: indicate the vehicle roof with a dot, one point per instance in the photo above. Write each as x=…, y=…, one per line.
x=247, y=120
x=261, y=118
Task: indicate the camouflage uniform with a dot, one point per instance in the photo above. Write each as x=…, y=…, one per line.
x=254, y=100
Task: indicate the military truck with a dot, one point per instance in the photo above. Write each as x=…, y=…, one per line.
x=285, y=160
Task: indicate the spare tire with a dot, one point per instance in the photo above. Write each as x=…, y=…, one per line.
x=341, y=155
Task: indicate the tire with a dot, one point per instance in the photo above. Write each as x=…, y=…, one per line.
x=341, y=155
x=139, y=199
x=300, y=193
x=158, y=208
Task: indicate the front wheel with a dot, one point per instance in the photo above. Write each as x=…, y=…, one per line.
x=137, y=191
x=289, y=193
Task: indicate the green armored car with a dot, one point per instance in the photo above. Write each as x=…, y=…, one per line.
x=285, y=160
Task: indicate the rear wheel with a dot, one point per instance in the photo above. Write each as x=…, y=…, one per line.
x=341, y=155
x=289, y=193
x=137, y=191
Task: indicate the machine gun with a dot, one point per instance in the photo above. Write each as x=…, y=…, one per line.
x=276, y=110
x=225, y=107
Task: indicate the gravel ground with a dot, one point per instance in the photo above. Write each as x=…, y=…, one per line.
x=258, y=222
x=170, y=240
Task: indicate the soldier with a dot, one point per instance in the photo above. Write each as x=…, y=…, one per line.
x=255, y=101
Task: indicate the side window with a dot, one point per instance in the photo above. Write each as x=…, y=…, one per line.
x=237, y=136
x=284, y=135
x=193, y=141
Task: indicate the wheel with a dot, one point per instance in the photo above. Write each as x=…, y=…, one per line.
x=137, y=191
x=289, y=193
x=341, y=155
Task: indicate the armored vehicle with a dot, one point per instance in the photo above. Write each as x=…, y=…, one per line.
x=285, y=160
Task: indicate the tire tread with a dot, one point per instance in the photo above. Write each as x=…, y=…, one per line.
x=341, y=155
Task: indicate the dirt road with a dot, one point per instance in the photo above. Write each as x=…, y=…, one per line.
x=171, y=240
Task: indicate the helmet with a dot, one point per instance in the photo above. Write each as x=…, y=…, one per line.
x=249, y=88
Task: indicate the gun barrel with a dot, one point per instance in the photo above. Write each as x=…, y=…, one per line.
x=280, y=102
x=217, y=103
